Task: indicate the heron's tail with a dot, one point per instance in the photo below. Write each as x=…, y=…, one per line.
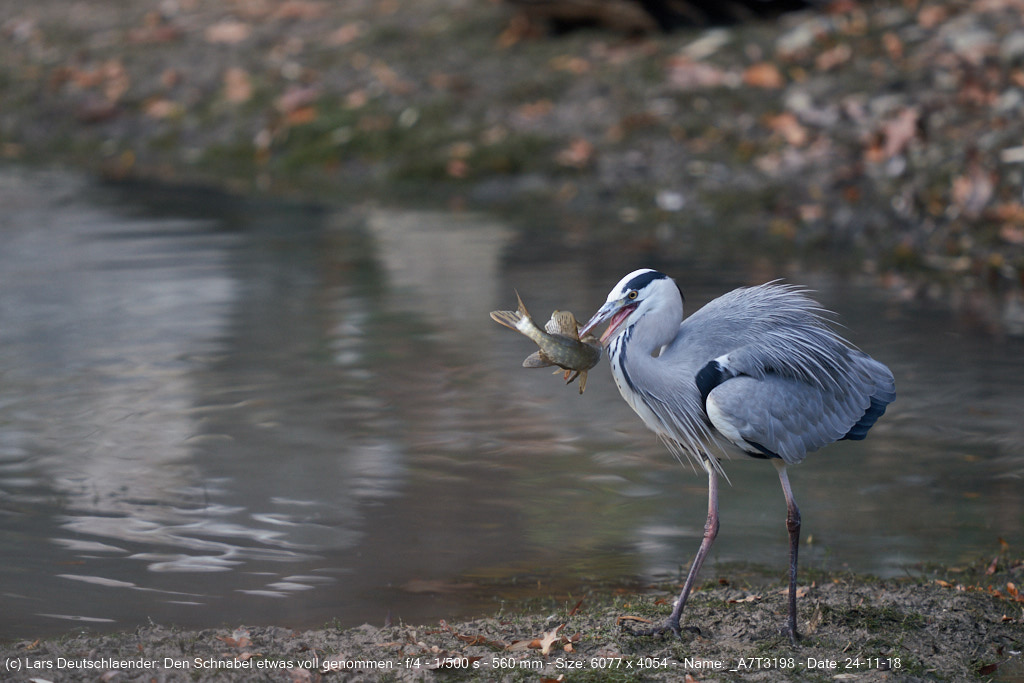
x=884, y=394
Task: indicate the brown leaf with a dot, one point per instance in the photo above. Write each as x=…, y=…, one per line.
x=790, y=128
x=345, y=34
x=531, y=111
x=297, y=98
x=830, y=59
x=685, y=73
x=570, y=63
x=115, y=79
x=228, y=32
x=237, y=85
x=549, y=639
x=987, y=670
x=302, y=10
x=973, y=190
x=578, y=154
x=300, y=117
x=161, y=108
x=239, y=638
x=894, y=136
x=764, y=75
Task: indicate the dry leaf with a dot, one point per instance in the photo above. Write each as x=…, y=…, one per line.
x=237, y=85
x=532, y=111
x=895, y=135
x=572, y=64
x=228, y=32
x=687, y=74
x=302, y=10
x=790, y=128
x=549, y=639
x=764, y=75
x=115, y=79
x=973, y=190
x=297, y=98
x=161, y=108
x=345, y=34
x=239, y=638
x=577, y=155
x=830, y=59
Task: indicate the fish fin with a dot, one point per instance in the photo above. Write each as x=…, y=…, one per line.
x=564, y=323
x=537, y=360
x=523, y=313
x=570, y=375
x=583, y=381
x=509, y=319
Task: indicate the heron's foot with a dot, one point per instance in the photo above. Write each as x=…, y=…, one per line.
x=670, y=625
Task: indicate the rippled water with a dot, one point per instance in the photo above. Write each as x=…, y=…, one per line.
x=216, y=411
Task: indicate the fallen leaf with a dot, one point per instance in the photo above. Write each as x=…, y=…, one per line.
x=973, y=190
x=549, y=639
x=238, y=638
x=789, y=127
x=115, y=79
x=532, y=111
x=764, y=75
x=685, y=73
x=751, y=598
x=830, y=59
x=346, y=33
x=297, y=98
x=577, y=155
x=302, y=10
x=237, y=85
x=570, y=63
x=228, y=32
x=894, y=136
x=161, y=108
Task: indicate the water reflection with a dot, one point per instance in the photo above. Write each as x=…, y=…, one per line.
x=217, y=411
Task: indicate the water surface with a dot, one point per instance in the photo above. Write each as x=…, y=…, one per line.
x=217, y=411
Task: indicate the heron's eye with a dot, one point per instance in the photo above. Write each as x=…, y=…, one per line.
x=632, y=294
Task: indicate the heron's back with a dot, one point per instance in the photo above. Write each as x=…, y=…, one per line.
x=774, y=379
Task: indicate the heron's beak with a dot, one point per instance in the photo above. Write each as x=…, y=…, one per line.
x=615, y=311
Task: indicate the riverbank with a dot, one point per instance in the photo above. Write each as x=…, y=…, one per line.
x=950, y=624
x=882, y=138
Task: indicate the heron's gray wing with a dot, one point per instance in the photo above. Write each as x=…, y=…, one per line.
x=788, y=414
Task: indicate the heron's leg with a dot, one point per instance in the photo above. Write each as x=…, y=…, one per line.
x=710, y=532
x=793, y=526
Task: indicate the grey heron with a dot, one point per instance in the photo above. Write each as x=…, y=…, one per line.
x=757, y=368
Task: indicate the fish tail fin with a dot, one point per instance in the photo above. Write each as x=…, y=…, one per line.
x=520, y=320
x=509, y=319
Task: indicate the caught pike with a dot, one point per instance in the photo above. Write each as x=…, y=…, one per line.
x=559, y=342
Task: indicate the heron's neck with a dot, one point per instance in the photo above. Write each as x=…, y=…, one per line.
x=633, y=351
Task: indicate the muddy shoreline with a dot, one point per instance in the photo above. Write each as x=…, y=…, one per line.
x=946, y=624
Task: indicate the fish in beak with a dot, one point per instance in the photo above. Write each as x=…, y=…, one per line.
x=613, y=311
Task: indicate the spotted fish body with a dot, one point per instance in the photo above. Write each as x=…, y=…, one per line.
x=559, y=342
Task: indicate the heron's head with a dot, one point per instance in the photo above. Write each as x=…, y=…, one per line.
x=641, y=292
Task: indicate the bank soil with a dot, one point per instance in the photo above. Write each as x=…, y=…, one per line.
x=944, y=625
